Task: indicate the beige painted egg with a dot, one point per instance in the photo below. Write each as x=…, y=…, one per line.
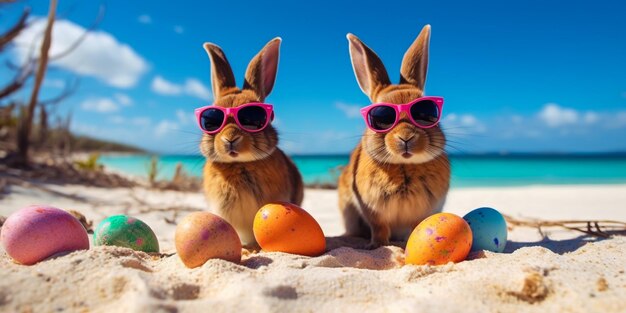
x=202, y=236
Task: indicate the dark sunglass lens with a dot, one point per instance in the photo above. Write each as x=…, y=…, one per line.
x=425, y=113
x=252, y=117
x=382, y=117
x=211, y=119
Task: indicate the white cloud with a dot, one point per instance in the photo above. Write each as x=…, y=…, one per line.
x=350, y=110
x=555, y=116
x=164, y=87
x=145, y=19
x=117, y=119
x=123, y=99
x=137, y=121
x=100, y=55
x=469, y=120
x=591, y=117
x=86, y=129
x=179, y=29
x=463, y=123
x=191, y=87
x=141, y=121
x=554, y=122
x=194, y=87
x=185, y=117
x=517, y=119
x=100, y=105
x=164, y=127
x=618, y=120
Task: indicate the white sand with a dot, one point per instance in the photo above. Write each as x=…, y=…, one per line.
x=570, y=273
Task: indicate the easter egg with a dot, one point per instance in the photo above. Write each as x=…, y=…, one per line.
x=286, y=227
x=125, y=231
x=201, y=236
x=37, y=232
x=488, y=229
x=439, y=239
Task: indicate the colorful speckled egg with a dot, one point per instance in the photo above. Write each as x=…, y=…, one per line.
x=286, y=227
x=37, y=232
x=201, y=236
x=488, y=229
x=439, y=239
x=125, y=231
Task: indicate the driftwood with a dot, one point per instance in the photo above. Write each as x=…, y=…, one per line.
x=88, y=224
x=61, y=172
x=596, y=228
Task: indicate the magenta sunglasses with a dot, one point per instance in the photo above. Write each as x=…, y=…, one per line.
x=424, y=112
x=251, y=117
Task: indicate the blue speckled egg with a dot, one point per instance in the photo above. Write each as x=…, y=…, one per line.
x=488, y=229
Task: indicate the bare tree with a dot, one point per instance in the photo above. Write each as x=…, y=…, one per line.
x=48, y=105
x=24, y=72
x=14, y=31
x=36, y=67
x=24, y=130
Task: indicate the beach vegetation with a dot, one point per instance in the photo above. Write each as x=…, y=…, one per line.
x=89, y=164
x=153, y=170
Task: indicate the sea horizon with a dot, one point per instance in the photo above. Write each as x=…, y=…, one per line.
x=490, y=169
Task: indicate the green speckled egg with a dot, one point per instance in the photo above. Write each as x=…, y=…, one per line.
x=125, y=231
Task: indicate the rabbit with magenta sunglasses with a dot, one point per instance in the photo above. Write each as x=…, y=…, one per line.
x=399, y=173
x=244, y=168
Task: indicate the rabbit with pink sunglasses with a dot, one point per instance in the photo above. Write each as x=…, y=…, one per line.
x=244, y=168
x=399, y=172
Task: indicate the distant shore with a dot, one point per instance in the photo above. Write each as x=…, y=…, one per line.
x=467, y=171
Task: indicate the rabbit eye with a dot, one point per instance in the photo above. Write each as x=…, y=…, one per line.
x=425, y=113
x=252, y=117
x=381, y=117
x=211, y=119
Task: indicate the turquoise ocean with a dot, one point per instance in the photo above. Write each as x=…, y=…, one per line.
x=467, y=170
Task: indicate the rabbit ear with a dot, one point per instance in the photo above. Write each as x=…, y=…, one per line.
x=415, y=61
x=261, y=72
x=368, y=68
x=222, y=78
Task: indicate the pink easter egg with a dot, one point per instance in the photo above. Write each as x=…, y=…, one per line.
x=37, y=232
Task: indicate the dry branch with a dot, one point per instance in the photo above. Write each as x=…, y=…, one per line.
x=25, y=129
x=596, y=228
x=18, y=81
x=14, y=31
x=75, y=44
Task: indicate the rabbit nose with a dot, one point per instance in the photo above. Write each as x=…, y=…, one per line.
x=406, y=141
x=231, y=141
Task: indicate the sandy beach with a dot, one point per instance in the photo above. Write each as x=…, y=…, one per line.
x=101, y=119
x=567, y=271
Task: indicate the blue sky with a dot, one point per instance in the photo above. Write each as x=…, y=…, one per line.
x=530, y=76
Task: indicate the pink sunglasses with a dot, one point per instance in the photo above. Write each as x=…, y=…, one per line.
x=424, y=112
x=251, y=117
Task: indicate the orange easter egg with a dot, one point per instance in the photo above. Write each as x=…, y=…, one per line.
x=201, y=236
x=286, y=227
x=439, y=239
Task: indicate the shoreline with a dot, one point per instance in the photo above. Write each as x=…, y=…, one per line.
x=467, y=173
x=331, y=186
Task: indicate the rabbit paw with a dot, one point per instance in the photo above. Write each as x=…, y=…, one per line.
x=373, y=245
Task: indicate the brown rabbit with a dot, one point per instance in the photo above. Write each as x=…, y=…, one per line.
x=395, y=179
x=245, y=170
